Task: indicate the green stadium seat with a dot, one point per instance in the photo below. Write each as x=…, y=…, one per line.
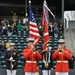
x=20, y=63
x=3, y=63
x=21, y=58
x=15, y=38
x=40, y=62
x=19, y=66
x=11, y=38
x=5, y=38
x=56, y=41
x=0, y=40
x=55, y=44
x=24, y=44
x=55, y=47
x=16, y=41
x=3, y=66
x=40, y=66
x=19, y=47
x=20, y=50
x=21, y=41
x=24, y=36
x=21, y=38
x=0, y=37
x=18, y=44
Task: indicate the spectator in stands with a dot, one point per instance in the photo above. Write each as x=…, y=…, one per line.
x=2, y=23
x=20, y=25
x=47, y=64
x=20, y=33
x=11, y=58
x=0, y=29
x=61, y=31
x=62, y=55
x=15, y=29
x=56, y=31
x=8, y=44
x=27, y=30
x=14, y=17
x=41, y=30
x=51, y=29
x=71, y=62
x=9, y=30
x=55, y=24
x=14, y=24
x=2, y=48
x=4, y=29
x=31, y=57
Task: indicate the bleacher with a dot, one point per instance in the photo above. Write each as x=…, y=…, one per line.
x=21, y=43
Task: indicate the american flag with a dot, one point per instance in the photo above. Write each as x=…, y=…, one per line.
x=34, y=32
x=45, y=23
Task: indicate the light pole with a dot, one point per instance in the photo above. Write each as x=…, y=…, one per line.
x=62, y=6
x=26, y=14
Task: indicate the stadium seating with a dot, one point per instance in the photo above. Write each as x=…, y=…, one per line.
x=21, y=43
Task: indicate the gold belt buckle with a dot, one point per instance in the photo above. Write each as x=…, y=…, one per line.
x=31, y=61
x=62, y=61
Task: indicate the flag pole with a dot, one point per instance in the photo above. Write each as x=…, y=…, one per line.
x=29, y=3
x=46, y=57
x=26, y=14
x=49, y=10
x=29, y=7
x=29, y=13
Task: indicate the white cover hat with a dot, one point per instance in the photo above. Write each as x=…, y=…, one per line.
x=12, y=44
x=61, y=41
x=30, y=39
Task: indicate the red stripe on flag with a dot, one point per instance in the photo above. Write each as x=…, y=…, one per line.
x=31, y=35
x=33, y=25
x=34, y=31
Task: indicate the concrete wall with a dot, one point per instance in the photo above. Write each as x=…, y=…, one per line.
x=71, y=24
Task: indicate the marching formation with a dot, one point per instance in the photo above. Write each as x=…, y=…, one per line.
x=61, y=55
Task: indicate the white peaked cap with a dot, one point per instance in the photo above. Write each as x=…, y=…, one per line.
x=30, y=39
x=61, y=41
x=12, y=44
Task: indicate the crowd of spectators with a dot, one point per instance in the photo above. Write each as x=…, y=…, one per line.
x=9, y=30
x=4, y=46
x=56, y=29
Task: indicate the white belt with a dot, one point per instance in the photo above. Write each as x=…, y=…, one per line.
x=63, y=61
x=31, y=61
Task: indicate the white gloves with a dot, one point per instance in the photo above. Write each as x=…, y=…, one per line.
x=11, y=58
x=51, y=68
x=12, y=66
x=44, y=61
